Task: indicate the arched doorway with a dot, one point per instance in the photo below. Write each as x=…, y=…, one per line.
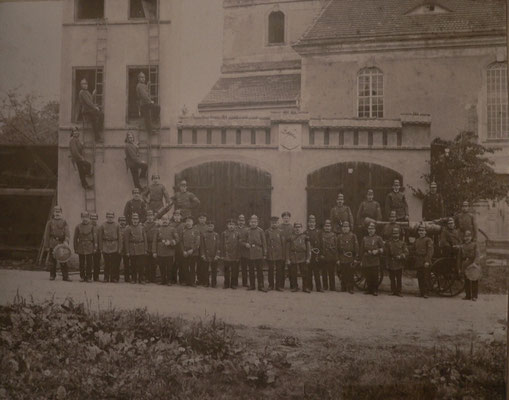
x=352, y=179
x=227, y=189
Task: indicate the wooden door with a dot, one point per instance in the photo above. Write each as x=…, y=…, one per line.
x=353, y=179
x=227, y=189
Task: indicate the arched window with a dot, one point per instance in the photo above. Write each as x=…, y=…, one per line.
x=276, y=27
x=497, y=101
x=370, y=82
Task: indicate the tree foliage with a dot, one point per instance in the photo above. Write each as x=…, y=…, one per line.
x=463, y=171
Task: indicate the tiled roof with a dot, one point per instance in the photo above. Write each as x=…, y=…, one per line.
x=351, y=20
x=253, y=90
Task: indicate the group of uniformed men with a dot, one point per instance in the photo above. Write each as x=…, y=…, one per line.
x=189, y=254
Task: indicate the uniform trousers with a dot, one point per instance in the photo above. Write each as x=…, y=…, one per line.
x=395, y=276
x=277, y=270
x=294, y=272
x=86, y=261
x=150, y=268
x=177, y=269
x=84, y=170
x=138, y=170
x=307, y=282
x=165, y=267
x=209, y=272
x=347, y=270
x=202, y=272
x=314, y=269
x=97, y=265
x=150, y=112
x=243, y=270
x=471, y=289
x=329, y=270
x=96, y=119
x=53, y=267
x=110, y=266
x=255, y=265
x=127, y=267
x=231, y=274
x=423, y=278
x=371, y=276
x=189, y=269
x=137, y=267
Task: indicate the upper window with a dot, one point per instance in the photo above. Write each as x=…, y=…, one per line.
x=93, y=78
x=276, y=27
x=143, y=9
x=151, y=80
x=497, y=101
x=370, y=93
x=89, y=9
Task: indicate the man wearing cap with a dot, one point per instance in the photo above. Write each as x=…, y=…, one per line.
x=369, y=208
x=150, y=263
x=423, y=252
x=243, y=251
x=85, y=245
x=286, y=228
x=55, y=233
x=135, y=164
x=340, y=213
x=185, y=201
x=177, y=270
x=164, y=243
x=122, y=224
x=135, y=205
x=230, y=254
x=396, y=200
x=388, y=230
x=396, y=253
x=135, y=242
x=190, y=247
x=329, y=256
x=78, y=158
x=348, y=251
x=450, y=239
x=433, y=204
x=371, y=250
x=298, y=256
x=202, y=266
x=314, y=268
x=91, y=111
x=156, y=195
x=110, y=244
x=465, y=221
x=149, y=110
x=210, y=252
x=275, y=255
x=469, y=254
x=253, y=240
x=97, y=253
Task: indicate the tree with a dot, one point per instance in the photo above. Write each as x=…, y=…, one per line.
x=463, y=171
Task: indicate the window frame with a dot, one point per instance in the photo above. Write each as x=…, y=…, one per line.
x=76, y=9
x=75, y=114
x=368, y=72
x=141, y=18
x=268, y=42
x=156, y=85
x=500, y=99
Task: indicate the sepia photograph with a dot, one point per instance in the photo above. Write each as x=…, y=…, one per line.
x=254, y=199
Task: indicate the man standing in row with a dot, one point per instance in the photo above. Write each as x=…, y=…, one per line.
x=433, y=204
x=340, y=213
x=253, y=240
x=55, y=233
x=185, y=201
x=396, y=201
x=110, y=244
x=135, y=206
x=156, y=194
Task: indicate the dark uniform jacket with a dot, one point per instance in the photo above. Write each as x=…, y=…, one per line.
x=329, y=246
x=432, y=207
x=243, y=251
x=135, y=206
x=135, y=240
x=132, y=155
x=150, y=231
x=122, y=230
x=178, y=226
x=387, y=232
x=466, y=222
x=275, y=244
x=143, y=94
x=423, y=251
x=210, y=247
x=190, y=240
x=314, y=236
x=370, y=243
x=85, y=239
x=163, y=235
x=396, y=252
x=369, y=209
x=469, y=253
x=298, y=249
x=110, y=238
x=86, y=102
x=56, y=232
x=348, y=247
x=449, y=238
x=185, y=201
x=338, y=215
x=255, y=238
x=156, y=192
x=230, y=245
x=287, y=230
x=76, y=149
x=396, y=202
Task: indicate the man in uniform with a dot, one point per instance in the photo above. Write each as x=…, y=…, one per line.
x=85, y=245
x=433, y=204
x=91, y=111
x=275, y=255
x=340, y=213
x=388, y=231
x=135, y=164
x=423, y=253
x=135, y=205
x=150, y=263
x=348, y=250
x=201, y=227
x=156, y=194
x=164, y=243
x=78, y=158
x=210, y=253
x=396, y=253
x=185, y=201
x=314, y=268
x=253, y=240
x=149, y=110
x=396, y=200
x=371, y=250
x=110, y=244
x=97, y=253
x=329, y=256
x=135, y=242
x=55, y=233
x=298, y=257
x=369, y=208
x=190, y=247
x=230, y=255
x=243, y=252
x=125, y=258
x=469, y=254
x=287, y=229
x=465, y=221
x=177, y=271
x=450, y=239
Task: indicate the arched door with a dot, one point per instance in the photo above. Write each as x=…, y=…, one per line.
x=353, y=179
x=227, y=189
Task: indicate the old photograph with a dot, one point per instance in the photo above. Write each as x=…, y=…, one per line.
x=254, y=199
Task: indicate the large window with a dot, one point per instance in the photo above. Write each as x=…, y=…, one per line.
x=89, y=9
x=143, y=9
x=497, y=101
x=370, y=93
x=276, y=27
x=94, y=78
x=152, y=80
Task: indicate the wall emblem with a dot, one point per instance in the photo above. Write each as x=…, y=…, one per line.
x=290, y=137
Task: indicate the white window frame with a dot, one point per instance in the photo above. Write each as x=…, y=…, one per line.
x=497, y=121
x=370, y=73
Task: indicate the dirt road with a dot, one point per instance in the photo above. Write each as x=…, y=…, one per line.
x=381, y=319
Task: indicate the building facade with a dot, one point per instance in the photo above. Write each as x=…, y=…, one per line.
x=313, y=98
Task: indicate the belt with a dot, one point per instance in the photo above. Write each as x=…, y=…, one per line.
x=110, y=240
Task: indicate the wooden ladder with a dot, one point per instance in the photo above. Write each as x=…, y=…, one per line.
x=153, y=144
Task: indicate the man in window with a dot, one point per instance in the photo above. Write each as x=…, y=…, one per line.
x=90, y=111
x=148, y=108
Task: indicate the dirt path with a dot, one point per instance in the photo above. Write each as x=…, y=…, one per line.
x=384, y=319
